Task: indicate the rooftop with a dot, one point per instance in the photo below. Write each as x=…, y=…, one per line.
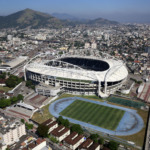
x=59, y=131
x=13, y=63
x=116, y=72
x=73, y=138
x=8, y=123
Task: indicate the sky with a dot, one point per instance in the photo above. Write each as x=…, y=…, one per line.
x=118, y=10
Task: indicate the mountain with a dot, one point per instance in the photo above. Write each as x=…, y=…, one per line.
x=102, y=21
x=34, y=19
x=64, y=16
x=30, y=18
x=77, y=20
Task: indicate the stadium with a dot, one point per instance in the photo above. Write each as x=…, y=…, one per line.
x=88, y=75
x=98, y=116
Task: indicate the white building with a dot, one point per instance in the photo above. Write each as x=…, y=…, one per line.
x=51, y=124
x=60, y=133
x=40, y=37
x=73, y=140
x=78, y=75
x=47, y=90
x=34, y=144
x=94, y=45
x=87, y=45
x=9, y=37
x=11, y=130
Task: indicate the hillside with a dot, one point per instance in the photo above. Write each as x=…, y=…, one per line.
x=102, y=21
x=29, y=18
x=34, y=19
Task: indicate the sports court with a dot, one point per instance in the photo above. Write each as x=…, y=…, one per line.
x=130, y=123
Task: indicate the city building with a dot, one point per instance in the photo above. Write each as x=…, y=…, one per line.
x=51, y=124
x=60, y=133
x=73, y=140
x=47, y=90
x=11, y=130
x=86, y=144
x=34, y=144
x=79, y=74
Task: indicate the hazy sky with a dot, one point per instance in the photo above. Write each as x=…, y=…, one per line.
x=119, y=10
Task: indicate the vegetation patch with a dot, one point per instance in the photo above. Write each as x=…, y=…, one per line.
x=126, y=102
x=7, y=102
x=5, y=88
x=42, y=116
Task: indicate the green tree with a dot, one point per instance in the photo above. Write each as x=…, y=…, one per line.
x=113, y=145
x=60, y=120
x=13, y=100
x=63, y=122
x=12, y=81
x=20, y=97
x=77, y=128
x=94, y=137
x=54, y=140
x=42, y=130
x=30, y=84
x=4, y=103
x=29, y=126
x=3, y=75
x=22, y=120
x=101, y=141
x=66, y=123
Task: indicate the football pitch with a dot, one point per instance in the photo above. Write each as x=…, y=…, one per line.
x=98, y=115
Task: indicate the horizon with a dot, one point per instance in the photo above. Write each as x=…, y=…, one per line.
x=135, y=11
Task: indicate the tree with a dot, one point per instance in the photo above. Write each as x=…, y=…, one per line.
x=30, y=84
x=63, y=122
x=20, y=97
x=42, y=130
x=66, y=123
x=12, y=81
x=60, y=120
x=54, y=140
x=4, y=103
x=94, y=137
x=77, y=128
x=29, y=126
x=3, y=75
x=101, y=141
x=22, y=120
x=113, y=145
x=139, y=82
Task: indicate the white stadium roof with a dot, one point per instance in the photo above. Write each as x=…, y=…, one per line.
x=116, y=72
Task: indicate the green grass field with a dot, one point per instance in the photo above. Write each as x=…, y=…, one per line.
x=102, y=116
x=126, y=102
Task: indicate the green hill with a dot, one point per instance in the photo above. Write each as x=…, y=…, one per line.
x=35, y=19
x=29, y=18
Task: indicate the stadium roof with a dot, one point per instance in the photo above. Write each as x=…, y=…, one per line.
x=116, y=72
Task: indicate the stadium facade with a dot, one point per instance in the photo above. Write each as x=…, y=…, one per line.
x=78, y=74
